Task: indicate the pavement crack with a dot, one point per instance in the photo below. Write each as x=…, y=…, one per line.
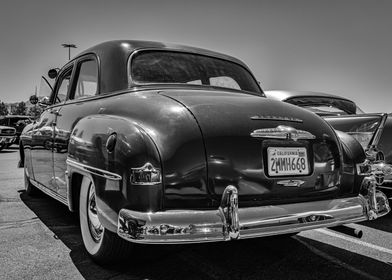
x=12, y=224
x=10, y=199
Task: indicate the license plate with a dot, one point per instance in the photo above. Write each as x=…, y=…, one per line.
x=287, y=161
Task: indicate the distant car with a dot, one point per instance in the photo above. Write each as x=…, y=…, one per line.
x=16, y=121
x=158, y=143
x=7, y=136
x=372, y=130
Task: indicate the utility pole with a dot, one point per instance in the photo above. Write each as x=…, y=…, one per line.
x=69, y=46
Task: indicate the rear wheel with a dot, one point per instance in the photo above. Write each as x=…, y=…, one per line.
x=102, y=245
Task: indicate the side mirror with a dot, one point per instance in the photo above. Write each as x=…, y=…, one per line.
x=52, y=73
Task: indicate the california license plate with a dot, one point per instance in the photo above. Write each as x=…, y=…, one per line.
x=284, y=161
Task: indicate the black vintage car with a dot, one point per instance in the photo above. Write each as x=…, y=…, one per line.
x=168, y=144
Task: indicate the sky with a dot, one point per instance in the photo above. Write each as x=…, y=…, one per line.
x=341, y=47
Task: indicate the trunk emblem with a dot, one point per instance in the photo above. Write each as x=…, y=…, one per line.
x=291, y=183
x=283, y=132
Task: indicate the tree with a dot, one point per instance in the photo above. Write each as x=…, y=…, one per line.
x=3, y=109
x=19, y=109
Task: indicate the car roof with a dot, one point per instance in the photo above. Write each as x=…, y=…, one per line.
x=309, y=98
x=126, y=47
x=283, y=95
x=113, y=59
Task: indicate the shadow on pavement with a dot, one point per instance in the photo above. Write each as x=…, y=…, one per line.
x=267, y=258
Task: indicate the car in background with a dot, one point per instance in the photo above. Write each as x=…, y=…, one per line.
x=7, y=136
x=372, y=130
x=158, y=143
x=16, y=121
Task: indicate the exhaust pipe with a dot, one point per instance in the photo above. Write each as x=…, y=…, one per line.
x=348, y=231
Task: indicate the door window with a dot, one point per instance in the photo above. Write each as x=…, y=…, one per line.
x=87, y=80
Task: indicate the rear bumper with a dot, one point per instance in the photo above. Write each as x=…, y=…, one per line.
x=230, y=222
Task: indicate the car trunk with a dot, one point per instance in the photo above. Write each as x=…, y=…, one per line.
x=235, y=157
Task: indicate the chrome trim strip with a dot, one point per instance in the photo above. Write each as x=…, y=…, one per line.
x=283, y=132
x=276, y=118
x=49, y=192
x=194, y=226
x=93, y=170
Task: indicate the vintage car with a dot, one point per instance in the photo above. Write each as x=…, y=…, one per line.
x=372, y=130
x=7, y=136
x=168, y=144
x=16, y=121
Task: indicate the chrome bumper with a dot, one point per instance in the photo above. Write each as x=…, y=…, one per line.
x=230, y=222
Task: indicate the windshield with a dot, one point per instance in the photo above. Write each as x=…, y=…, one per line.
x=325, y=105
x=167, y=67
x=324, y=110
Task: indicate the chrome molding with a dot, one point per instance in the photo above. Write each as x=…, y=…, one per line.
x=276, y=118
x=282, y=132
x=49, y=192
x=93, y=170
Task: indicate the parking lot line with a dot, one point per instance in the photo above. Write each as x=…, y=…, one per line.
x=356, y=241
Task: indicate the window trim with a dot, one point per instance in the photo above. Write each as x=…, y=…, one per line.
x=133, y=83
x=78, y=63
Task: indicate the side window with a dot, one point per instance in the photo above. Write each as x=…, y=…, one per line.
x=224, y=81
x=87, y=80
x=63, y=86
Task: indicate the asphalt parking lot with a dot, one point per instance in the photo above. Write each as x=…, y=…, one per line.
x=40, y=239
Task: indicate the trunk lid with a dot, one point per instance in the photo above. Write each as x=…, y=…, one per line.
x=235, y=157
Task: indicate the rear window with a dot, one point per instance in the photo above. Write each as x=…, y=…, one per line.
x=167, y=67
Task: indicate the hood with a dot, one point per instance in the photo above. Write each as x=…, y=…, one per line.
x=235, y=157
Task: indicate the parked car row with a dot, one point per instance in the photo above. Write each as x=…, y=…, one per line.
x=12, y=126
x=372, y=130
x=7, y=136
x=169, y=144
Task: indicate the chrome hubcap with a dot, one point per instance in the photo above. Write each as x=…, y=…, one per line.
x=96, y=228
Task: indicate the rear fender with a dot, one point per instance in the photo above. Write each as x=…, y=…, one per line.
x=107, y=148
x=353, y=154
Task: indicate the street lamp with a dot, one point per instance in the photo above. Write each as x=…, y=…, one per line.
x=69, y=46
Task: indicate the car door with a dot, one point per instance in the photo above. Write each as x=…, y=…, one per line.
x=43, y=132
x=81, y=102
